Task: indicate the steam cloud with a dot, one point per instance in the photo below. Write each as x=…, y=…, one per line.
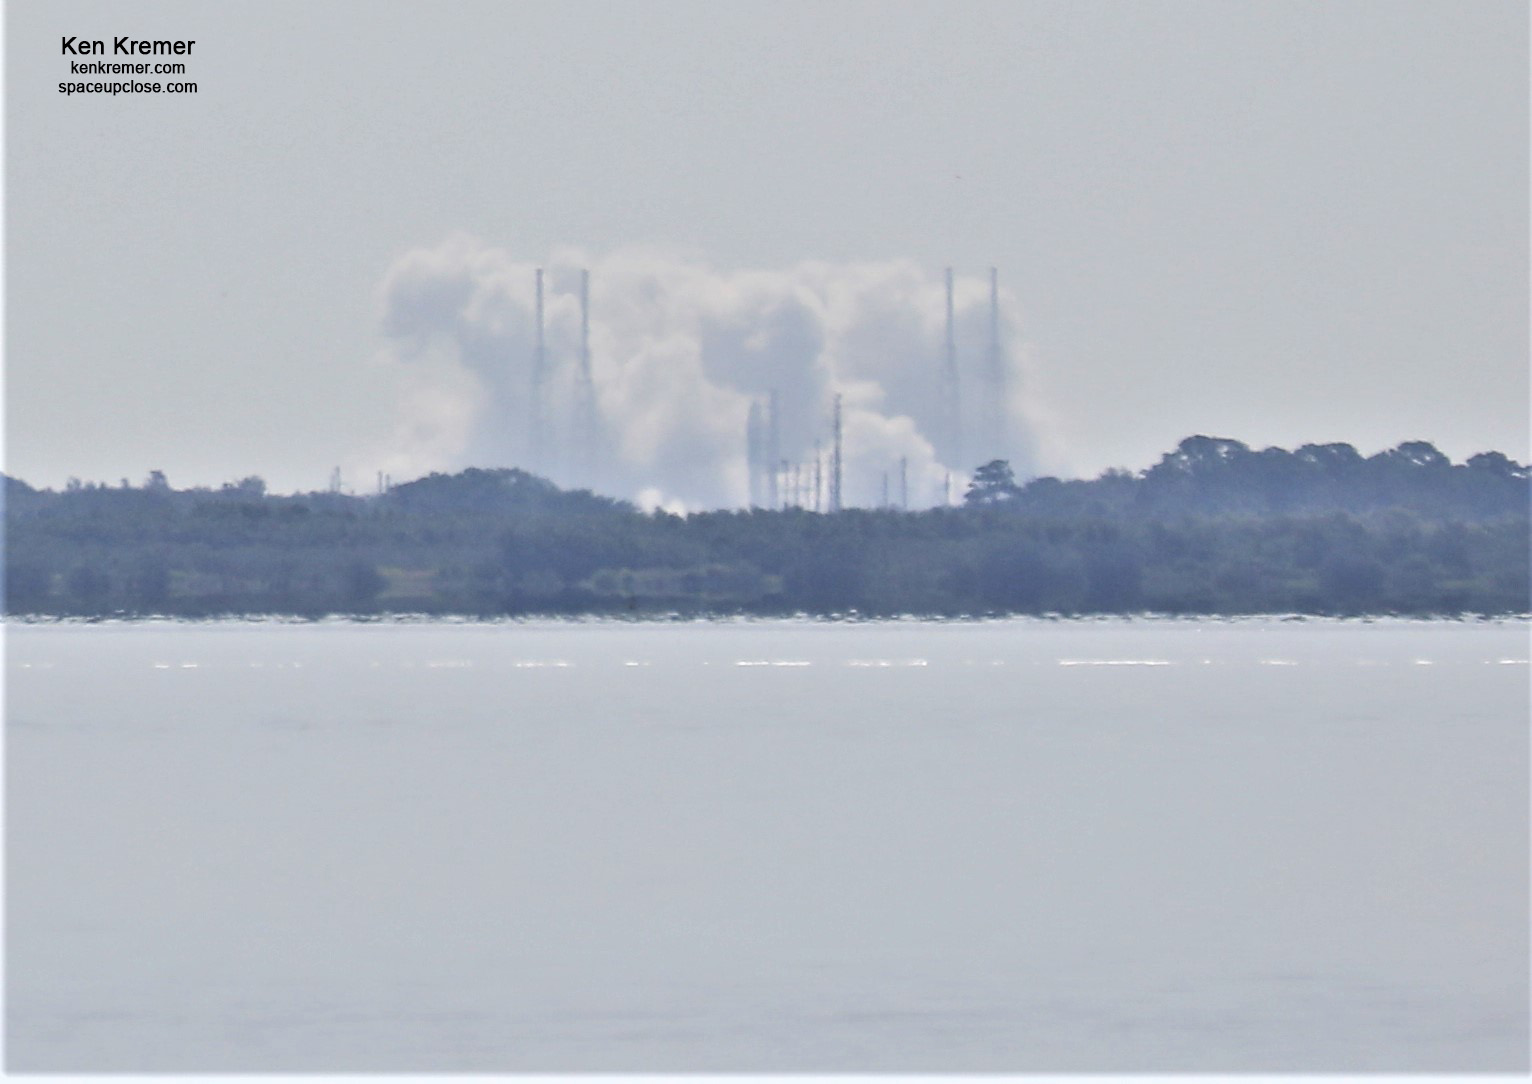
x=679, y=352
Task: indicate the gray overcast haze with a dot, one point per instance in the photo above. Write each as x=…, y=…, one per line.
x=1281, y=222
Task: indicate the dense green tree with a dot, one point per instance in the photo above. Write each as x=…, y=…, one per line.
x=993, y=483
x=149, y=585
x=87, y=587
x=1213, y=527
x=360, y=584
x=28, y=587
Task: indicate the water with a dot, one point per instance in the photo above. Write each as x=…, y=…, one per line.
x=898, y=847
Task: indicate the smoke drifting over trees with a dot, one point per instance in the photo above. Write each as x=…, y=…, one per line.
x=679, y=352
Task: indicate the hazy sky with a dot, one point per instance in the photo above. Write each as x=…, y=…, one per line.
x=1280, y=222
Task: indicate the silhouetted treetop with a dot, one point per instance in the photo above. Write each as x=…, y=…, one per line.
x=993, y=483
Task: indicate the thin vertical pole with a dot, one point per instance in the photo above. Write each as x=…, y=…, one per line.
x=997, y=403
x=951, y=398
x=773, y=451
x=818, y=491
x=835, y=463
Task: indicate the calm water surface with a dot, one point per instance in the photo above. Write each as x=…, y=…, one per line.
x=900, y=847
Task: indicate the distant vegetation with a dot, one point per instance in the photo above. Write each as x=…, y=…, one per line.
x=1214, y=528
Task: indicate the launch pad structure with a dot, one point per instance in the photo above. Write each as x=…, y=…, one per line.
x=777, y=483
x=774, y=482
x=583, y=421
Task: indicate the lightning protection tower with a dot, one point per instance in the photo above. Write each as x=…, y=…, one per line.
x=835, y=459
x=773, y=451
x=994, y=371
x=818, y=479
x=586, y=430
x=951, y=418
x=755, y=455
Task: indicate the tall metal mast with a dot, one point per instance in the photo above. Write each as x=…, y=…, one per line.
x=773, y=450
x=753, y=454
x=951, y=419
x=835, y=461
x=818, y=479
x=587, y=434
x=995, y=437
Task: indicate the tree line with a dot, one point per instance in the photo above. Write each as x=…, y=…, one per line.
x=1214, y=528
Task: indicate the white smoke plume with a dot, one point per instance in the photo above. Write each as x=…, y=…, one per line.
x=679, y=352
